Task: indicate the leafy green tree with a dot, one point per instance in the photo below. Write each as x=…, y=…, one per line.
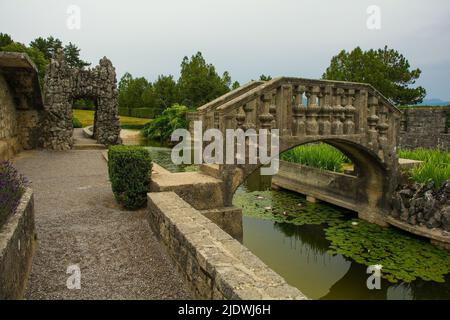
x=165, y=89
x=385, y=69
x=235, y=85
x=131, y=92
x=161, y=127
x=47, y=46
x=72, y=54
x=199, y=82
x=265, y=78
x=5, y=39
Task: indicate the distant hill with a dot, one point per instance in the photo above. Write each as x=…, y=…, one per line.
x=434, y=102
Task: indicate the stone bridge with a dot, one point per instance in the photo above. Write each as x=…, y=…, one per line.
x=353, y=117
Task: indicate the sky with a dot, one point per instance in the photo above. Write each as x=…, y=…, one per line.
x=245, y=37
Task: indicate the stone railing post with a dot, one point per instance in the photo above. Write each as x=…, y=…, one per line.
x=312, y=126
x=337, y=126
x=326, y=110
x=349, y=124
x=298, y=110
x=373, y=122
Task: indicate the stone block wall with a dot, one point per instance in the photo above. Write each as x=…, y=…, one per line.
x=21, y=106
x=425, y=127
x=215, y=265
x=9, y=140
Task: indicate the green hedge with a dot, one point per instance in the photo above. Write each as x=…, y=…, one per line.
x=129, y=169
x=142, y=113
x=76, y=123
x=124, y=112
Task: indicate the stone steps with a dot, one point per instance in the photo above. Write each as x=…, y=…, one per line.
x=199, y=190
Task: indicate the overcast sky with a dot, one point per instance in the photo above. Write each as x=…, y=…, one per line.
x=245, y=37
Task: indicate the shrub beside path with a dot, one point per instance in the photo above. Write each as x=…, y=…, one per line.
x=79, y=222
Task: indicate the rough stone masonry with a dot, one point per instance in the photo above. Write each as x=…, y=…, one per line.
x=64, y=84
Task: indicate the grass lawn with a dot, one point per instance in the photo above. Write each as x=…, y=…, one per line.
x=86, y=118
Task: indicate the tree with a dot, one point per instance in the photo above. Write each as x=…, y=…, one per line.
x=47, y=46
x=385, y=69
x=165, y=89
x=5, y=39
x=265, y=78
x=199, y=82
x=72, y=54
x=235, y=85
x=131, y=92
x=162, y=127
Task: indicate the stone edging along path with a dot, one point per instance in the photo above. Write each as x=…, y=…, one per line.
x=17, y=243
x=215, y=265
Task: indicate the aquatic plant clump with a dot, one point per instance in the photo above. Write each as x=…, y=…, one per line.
x=12, y=186
x=435, y=166
x=403, y=257
x=321, y=156
x=285, y=207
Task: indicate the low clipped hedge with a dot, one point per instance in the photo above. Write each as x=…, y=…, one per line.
x=129, y=170
x=124, y=112
x=142, y=113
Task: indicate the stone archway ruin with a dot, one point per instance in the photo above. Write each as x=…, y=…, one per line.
x=62, y=85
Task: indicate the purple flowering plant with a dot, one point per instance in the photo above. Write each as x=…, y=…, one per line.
x=12, y=186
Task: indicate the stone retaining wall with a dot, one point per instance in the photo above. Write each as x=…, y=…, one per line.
x=17, y=238
x=9, y=142
x=425, y=127
x=336, y=188
x=215, y=265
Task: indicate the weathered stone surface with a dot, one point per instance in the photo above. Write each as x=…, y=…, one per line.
x=425, y=127
x=64, y=84
x=215, y=265
x=16, y=249
x=20, y=104
x=420, y=204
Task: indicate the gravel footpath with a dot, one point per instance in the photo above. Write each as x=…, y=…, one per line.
x=78, y=222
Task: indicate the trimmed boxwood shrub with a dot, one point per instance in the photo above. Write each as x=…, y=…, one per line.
x=142, y=113
x=130, y=168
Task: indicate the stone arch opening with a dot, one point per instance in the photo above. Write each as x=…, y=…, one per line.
x=368, y=192
x=64, y=84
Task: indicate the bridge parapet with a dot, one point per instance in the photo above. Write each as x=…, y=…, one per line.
x=307, y=108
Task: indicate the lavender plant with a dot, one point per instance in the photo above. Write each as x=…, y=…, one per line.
x=12, y=186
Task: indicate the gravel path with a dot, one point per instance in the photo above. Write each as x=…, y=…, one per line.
x=78, y=222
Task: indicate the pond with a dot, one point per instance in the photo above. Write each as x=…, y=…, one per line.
x=324, y=250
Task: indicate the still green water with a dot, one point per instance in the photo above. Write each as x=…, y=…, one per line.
x=290, y=236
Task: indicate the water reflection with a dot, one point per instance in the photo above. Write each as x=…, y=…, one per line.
x=299, y=254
